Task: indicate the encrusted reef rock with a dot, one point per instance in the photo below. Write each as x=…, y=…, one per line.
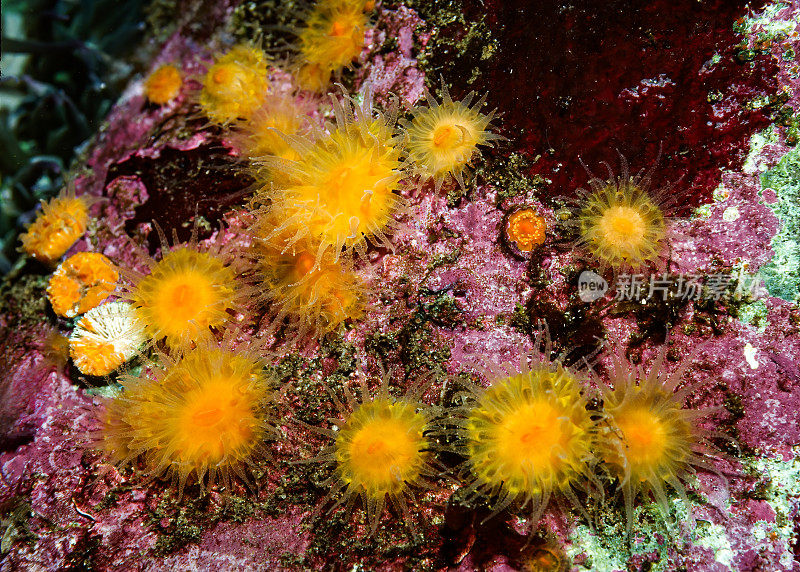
x=696, y=102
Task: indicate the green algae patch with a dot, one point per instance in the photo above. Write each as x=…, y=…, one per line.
x=782, y=274
x=607, y=548
x=24, y=297
x=459, y=47
x=782, y=490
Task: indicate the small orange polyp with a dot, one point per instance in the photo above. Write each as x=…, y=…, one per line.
x=235, y=86
x=81, y=283
x=526, y=229
x=333, y=36
x=163, y=85
x=61, y=222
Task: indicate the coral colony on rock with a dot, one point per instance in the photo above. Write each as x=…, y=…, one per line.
x=401, y=285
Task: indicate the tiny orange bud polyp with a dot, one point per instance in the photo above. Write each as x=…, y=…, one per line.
x=163, y=85
x=526, y=230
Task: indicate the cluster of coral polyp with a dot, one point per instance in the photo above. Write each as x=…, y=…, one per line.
x=223, y=358
x=193, y=404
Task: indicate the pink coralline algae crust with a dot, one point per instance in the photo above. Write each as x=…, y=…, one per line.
x=643, y=79
x=51, y=478
x=701, y=243
x=395, y=71
x=470, y=267
x=229, y=546
x=580, y=81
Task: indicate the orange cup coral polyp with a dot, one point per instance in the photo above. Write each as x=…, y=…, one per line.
x=263, y=134
x=163, y=85
x=443, y=139
x=380, y=451
x=313, y=296
x=235, y=86
x=61, y=222
x=525, y=229
x=340, y=191
x=203, y=415
x=621, y=223
x=186, y=293
x=647, y=440
x=332, y=37
x=528, y=436
x=105, y=338
x=81, y=283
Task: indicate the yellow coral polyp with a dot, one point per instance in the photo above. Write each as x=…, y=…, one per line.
x=313, y=296
x=235, y=86
x=81, y=283
x=381, y=447
x=380, y=451
x=647, y=440
x=621, y=225
x=340, y=192
x=61, y=222
x=528, y=436
x=204, y=415
x=163, y=85
x=332, y=37
x=263, y=134
x=186, y=293
x=443, y=139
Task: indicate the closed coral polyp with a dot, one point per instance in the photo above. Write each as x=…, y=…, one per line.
x=81, y=283
x=163, y=85
x=185, y=294
x=235, y=86
x=526, y=229
x=61, y=222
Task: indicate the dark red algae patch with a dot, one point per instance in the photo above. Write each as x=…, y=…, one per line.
x=581, y=80
x=181, y=182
